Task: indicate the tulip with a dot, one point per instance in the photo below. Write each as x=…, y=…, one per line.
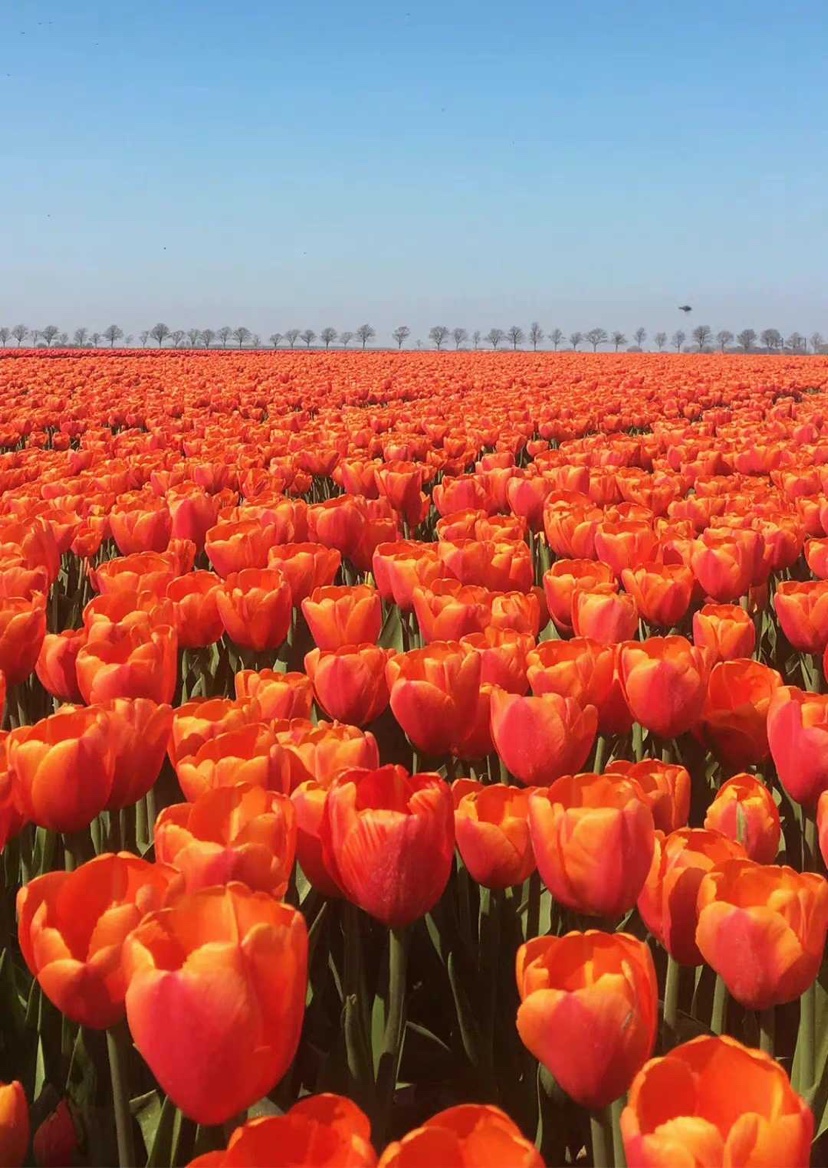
x=146, y=528
x=604, y=614
x=434, y=694
x=593, y=839
x=735, y=715
x=239, y=546
x=589, y=1010
x=541, y=738
x=256, y=608
x=725, y=631
x=337, y=523
x=625, y=545
x=744, y=810
x=216, y=996
x=12, y=819
x=56, y=1142
x=665, y=681
x=129, y=661
x=564, y=578
x=802, y=609
x=249, y=754
x=318, y=751
x=714, y=1101
x=725, y=562
x=22, y=630
x=389, y=839
x=72, y=927
x=491, y=825
x=278, y=695
x=193, y=513
x=585, y=670
x=350, y=683
x=503, y=656
x=667, y=902
x=662, y=592
x=449, y=610
x=240, y=833
x=197, y=619
x=305, y=566
x=139, y=572
x=14, y=1124
x=199, y=721
x=56, y=664
x=762, y=928
x=797, y=730
x=401, y=567
x=665, y=788
x=346, y=615
x=520, y=611
x=467, y=1136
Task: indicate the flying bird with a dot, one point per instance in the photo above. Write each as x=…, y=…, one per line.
x=685, y=308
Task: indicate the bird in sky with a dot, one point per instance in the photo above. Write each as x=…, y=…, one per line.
x=685, y=308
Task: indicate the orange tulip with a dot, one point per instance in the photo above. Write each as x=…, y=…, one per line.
x=816, y=555
x=802, y=609
x=667, y=902
x=593, y=839
x=662, y=592
x=434, y=694
x=725, y=631
x=139, y=572
x=12, y=819
x=128, y=661
x=570, y=526
x=564, y=578
x=585, y=670
x=520, y=611
x=725, y=562
x=255, y=608
x=195, y=600
x=735, y=715
x=215, y=997
x=714, y=1101
x=541, y=738
x=231, y=833
x=63, y=768
x=492, y=828
x=503, y=655
x=349, y=682
x=22, y=630
x=56, y=1142
x=344, y=615
x=604, y=614
x=665, y=787
x=278, y=695
x=144, y=528
x=744, y=809
x=388, y=837
x=305, y=566
x=449, y=610
x=625, y=545
x=597, y=984
x=249, y=754
x=239, y=546
x=665, y=682
x=55, y=666
x=72, y=927
x=14, y=1124
x=468, y=1136
x=139, y=732
x=193, y=513
x=199, y=721
x=401, y=567
x=762, y=928
x=319, y=751
x=797, y=729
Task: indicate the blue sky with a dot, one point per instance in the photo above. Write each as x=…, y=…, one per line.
x=311, y=163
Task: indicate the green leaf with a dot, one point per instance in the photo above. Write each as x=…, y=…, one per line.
x=391, y=636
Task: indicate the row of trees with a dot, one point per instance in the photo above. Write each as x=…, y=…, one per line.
x=701, y=338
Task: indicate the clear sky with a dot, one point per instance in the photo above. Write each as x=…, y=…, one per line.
x=316, y=162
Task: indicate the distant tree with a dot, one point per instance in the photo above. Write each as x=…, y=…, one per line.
x=240, y=335
x=365, y=333
x=274, y=339
x=536, y=334
x=128, y=339
x=207, y=337
x=5, y=336
x=702, y=334
x=81, y=336
x=516, y=335
x=596, y=337
x=328, y=336
x=194, y=337
x=437, y=335
x=660, y=340
x=143, y=337
x=556, y=336
x=746, y=339
x=96, y=339
x=62, y=340
x=618, y=339
x=160, y=332
x=640, y=336
x=113, y=333
x=49, y=333
x=345, y=339
x=255, y=341
x=460, y=337
x=400, y=334
x=292, y=336
x=724, y=337
x=494, y=337
x=20, y=332
x=308, y=336
x=476, y=338
x=224, y=334
x=177, y=336
x=575, y=340
x=771, y=339
x=679, y=337
x=817, y=342
x=797, y=343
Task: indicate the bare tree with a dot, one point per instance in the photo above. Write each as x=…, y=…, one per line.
x=771, y=339
x=460, y=337
x=516, y=335
x=345, y=339
x=640, y=336
x=556, y=337
x=746, y=338
x=49, y=333
x=679, y=337
x=536, y=334
x=240, y=335
x=308, y=336
x=438, y=335
x=62, y=340
x=159, y=332
x=494, y=337
x=5, y=336
x=113, y=333
x=817, y=342
x=400, y=334
x=292, y=336
x=81, y=337
x=618, y=339
x=194, y=337
x=596, y=337
x=128, y=339
x=796, y=343
x=177, y=336
x=476, y=338
x=20, y=332
x=96, y=339
x=255, y=341
x=702, y=334
x=365, y=333
x=575, y=340
x=328, y=336
x=207, y=337
x=660, y=340
x=224, y=334
x=274, y=339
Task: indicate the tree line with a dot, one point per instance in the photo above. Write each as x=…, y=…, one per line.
x=701, y=338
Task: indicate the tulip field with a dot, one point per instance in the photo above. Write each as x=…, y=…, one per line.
x=413, y=760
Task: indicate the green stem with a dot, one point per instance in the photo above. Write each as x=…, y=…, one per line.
x=767, y=1030
x=600, y=754
x=619, y=1155
x=392, y=1042
x=601, y=1133
x=717, y=1019
x=488, y=966
x=118, y=1047
x=533, y=909
x=672, y=984
x=805, y=1040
